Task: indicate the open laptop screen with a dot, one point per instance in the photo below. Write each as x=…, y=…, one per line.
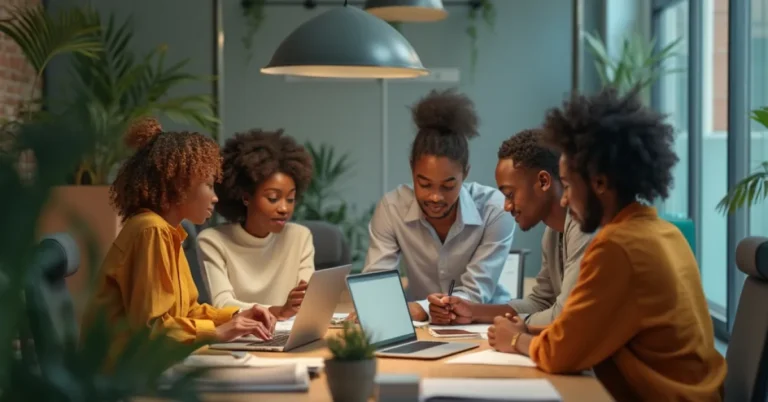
x=381, y=307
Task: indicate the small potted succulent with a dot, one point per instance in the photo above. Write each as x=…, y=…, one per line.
x=351, y=370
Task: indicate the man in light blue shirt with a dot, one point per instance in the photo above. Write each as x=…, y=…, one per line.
x=445, y=229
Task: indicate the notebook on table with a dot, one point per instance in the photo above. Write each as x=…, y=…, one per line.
x=487, y=390
x=241, y=373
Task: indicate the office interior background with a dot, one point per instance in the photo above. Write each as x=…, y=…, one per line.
x=525, y=63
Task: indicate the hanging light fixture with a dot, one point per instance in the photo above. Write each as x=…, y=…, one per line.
x=407, y=10
x=346, y=42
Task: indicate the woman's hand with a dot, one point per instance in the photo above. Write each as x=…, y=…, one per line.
x=262, y=315
x=241, y=325
x=292, y=304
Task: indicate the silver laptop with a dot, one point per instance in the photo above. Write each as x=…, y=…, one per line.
x=383, y=314
x=312, y=320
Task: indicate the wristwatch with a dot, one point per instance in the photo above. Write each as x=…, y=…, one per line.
x=513, y=342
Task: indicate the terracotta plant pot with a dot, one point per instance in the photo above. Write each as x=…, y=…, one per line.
x=90, y=205
x=350, y=381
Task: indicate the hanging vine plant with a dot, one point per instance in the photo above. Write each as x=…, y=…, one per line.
x=253, y=12
x=487, y=11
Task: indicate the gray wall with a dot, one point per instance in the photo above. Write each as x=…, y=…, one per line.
x=523, y=69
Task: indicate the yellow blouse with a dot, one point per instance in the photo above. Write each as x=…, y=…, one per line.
x=145, y=281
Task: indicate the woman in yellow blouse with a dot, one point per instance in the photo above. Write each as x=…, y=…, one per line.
x=145, y=279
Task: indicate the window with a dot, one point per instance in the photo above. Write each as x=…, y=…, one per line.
x=714, y=160
x=670, y=23
x=673, y=100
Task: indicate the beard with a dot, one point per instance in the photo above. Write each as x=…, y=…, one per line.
x=593, y=213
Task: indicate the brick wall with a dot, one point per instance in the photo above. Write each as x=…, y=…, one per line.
x=16, y=75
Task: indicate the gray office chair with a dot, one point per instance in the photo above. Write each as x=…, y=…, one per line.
x=192, y=252
x=51, y=312
x=331, y=248
x=747, y=378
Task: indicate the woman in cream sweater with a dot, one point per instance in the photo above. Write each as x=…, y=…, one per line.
x=259, y=257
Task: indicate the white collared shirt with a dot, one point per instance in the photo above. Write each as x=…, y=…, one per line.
x=473, y=253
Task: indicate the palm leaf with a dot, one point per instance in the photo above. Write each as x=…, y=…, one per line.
x=748, y=191
x=42, y=37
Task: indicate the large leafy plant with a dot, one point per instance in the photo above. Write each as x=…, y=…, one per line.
x=51, y=365
x=752, y=189
x=321, y=201
x=638, y=65
x=113, y=86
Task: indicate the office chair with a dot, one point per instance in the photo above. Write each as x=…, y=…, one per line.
x=747, y=378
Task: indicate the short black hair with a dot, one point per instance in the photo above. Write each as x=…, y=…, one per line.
x=446, y=120
x=617, y=136
x=252, y=157
x=527, y=150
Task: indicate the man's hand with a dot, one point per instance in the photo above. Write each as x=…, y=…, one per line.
x=449, y=310
x=503, y=329
x=417, y=312
x=292, y=303
x=240, y=325
x=260, y=314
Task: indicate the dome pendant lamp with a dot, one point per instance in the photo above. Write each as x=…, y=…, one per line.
x=346, y=42
x=407, y=10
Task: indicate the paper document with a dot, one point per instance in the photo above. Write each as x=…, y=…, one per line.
x=465, y=389
x=490, y=357
x=238, y=374
x=480, y=329
x=242, y=359
x=286, y=326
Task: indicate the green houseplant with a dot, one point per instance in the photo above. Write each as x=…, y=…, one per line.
x=58, y=367
x=638, y=64
x=351, y=370
x=321, y=200
x=111, y=87
x=487, y=11
x=752, y=189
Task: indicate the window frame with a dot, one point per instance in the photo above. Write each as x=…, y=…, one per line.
x=739, y=134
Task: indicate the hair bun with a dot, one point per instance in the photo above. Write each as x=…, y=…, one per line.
x=142, y=131
x=447, y=112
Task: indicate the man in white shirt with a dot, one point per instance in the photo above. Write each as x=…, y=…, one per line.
x=447, y=230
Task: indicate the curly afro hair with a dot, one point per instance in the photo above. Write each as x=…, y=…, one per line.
x=163, y=169
x=252, y=157
x=446, y=121
x=526, y=149
x=618, y=137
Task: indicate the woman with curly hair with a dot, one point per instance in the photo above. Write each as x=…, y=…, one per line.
x=448, y=230
x=145, y=279
x=260, y=258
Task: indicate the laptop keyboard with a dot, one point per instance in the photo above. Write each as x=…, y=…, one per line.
x=414, y=347
x=278, y=339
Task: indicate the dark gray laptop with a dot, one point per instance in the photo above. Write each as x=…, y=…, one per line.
x=383, y=314
x=312, y=320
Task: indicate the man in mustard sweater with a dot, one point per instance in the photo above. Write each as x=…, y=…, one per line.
x=637, y=314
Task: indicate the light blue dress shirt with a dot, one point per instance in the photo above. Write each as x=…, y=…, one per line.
x=473, y=253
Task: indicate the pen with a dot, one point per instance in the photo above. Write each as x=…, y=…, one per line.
x=450, y=287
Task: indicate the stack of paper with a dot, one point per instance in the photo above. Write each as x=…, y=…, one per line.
x=245, y=373
x=493, y=358
x=466, y=389
x=480, y=329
